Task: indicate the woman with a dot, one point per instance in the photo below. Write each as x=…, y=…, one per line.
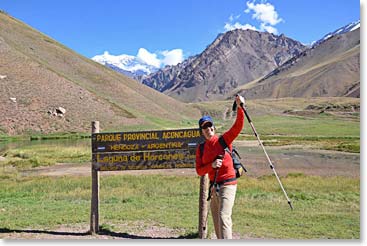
x=218, y=164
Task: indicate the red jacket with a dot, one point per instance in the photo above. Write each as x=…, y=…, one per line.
x=212, y=149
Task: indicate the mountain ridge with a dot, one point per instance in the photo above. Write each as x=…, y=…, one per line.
x=177, y=82
x=347, y=28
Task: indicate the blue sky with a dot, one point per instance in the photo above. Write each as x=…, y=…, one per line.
x=172, y=30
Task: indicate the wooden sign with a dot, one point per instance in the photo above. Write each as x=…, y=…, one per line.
x=145, y=150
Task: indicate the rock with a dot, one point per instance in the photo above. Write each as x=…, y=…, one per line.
x=3, y=76
x=60, y=110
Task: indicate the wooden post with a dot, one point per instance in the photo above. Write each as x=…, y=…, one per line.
x=94, y=215
x=203, y=206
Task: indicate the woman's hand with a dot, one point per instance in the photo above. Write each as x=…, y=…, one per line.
x=217, y=163
x=240, y=100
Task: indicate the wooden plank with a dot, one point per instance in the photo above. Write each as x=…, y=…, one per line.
x=146, y=140
x=144, y=160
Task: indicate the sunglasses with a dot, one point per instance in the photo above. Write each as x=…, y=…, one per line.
x=206, y=125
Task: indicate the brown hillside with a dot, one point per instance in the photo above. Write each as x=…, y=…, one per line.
x=331, y=69
x=38, y=75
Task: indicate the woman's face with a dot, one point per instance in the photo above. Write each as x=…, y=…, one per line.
x=208, y=130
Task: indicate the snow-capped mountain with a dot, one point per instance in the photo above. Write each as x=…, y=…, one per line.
x=126, y=64
x=347, y=28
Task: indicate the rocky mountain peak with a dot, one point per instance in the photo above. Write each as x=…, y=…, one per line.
x=232, y=59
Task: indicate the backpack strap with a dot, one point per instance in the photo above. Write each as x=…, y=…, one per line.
x=201, y=147
x=226, y=148
x=224, y=145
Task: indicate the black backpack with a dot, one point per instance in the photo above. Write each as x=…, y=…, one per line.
x=239, y=168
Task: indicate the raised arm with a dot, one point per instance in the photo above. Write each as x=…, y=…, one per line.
x=230, y=135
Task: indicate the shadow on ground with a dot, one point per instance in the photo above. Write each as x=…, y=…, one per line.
x=104, y=232
x=127, y=235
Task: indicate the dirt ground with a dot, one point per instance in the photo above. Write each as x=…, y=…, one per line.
x=81, y=232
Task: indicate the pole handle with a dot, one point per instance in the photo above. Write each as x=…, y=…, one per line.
x=234, y=106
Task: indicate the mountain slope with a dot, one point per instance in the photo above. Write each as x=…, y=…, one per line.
x=233, y=59
x=331, y=68
x=38, y=75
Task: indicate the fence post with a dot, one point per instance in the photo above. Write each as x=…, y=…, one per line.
x=203, y=207
x=94, y=214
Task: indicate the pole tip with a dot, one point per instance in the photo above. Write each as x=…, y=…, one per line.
x=290, y=205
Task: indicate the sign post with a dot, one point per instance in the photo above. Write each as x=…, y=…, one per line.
x=94, y=215
x=203, y=207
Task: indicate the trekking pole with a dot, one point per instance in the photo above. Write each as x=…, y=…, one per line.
x=266, y=154
x=215, y=180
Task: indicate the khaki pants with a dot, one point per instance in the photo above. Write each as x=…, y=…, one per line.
x=221, y=208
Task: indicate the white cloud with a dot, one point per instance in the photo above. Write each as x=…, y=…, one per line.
x=172, y=57
x=160, y=59
x=157, y=59
x=237, y=25
x=264, y=12
x=269, y=29
x=148, y=58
